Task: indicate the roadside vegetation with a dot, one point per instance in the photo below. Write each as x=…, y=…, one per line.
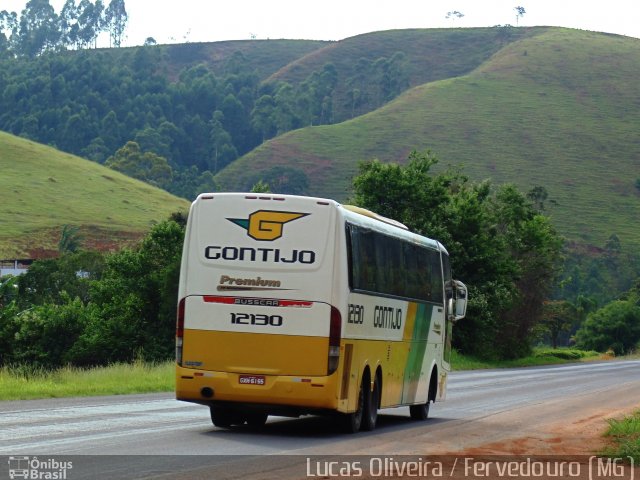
x=539, y=356
x=88, y=309
x=27, y=382
x=624, y=435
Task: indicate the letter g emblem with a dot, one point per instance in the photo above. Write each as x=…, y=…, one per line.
x=267, y=225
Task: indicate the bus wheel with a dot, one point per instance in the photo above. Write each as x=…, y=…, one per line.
x=223, y=417
x=420, y=412
x=370, y=414
x=256, y=419
x=353, y=421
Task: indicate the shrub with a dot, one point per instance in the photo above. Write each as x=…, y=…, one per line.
x=45, y=333
x=616, y=326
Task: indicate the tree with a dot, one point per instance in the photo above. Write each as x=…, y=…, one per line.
x=354, y=97
x=78, y=131
x=89, y=21
x=38, y=28
x=222, y=150
x=8, y=29
x=359, y=85
x=45, y=333
x=151, y=140
x=8, y=317
x=453, y=15
x=116, y=18
x=134, y=302
x=189, y=183
x=96, y=150
x=500, y=246
x=315, y=95
x=616, y=326
x=284, y=114
x=70, y=239
x=262, y=117
x=110, y=130
x=557, y=318
x=389, y=76
x=69, y=28
x=538, y=196
x=235, y=119
x=47, y=280
x=285, y=180
x=520, y=11
x=148, y=166
x=260, y=187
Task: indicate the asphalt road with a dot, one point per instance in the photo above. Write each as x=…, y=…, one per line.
x=148, y=436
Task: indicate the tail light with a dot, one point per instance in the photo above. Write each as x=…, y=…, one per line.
x=335, y=329
x=180, y=331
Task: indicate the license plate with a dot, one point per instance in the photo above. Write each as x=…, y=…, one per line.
x=251, y=379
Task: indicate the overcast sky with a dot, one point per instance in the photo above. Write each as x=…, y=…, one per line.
x=169, y=21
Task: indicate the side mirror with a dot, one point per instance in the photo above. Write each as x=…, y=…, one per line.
x=461, y=300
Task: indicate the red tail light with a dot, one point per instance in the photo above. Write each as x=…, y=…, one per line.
x=335, y=330
x=180, y=331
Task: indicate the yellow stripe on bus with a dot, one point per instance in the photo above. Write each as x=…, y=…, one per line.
x=411, y=320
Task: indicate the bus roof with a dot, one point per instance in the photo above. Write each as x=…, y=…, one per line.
x=369, y=213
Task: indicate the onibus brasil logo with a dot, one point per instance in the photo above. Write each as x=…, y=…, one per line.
x=266, y=225
x=34, y=468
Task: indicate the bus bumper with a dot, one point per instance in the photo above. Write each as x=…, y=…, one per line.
x=208, y=387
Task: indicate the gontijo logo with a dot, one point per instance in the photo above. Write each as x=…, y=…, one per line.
x=266, y=225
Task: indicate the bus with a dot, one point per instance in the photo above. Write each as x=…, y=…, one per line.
x=292, y=305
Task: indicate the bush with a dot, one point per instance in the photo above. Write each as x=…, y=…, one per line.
x=8, y=327
x=48, y=280
x=120, y=308
x=45, y=333
x=563, y=353
x=616, y=326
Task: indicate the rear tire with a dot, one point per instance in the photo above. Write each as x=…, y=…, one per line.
x=370, y=414
x=256, y=419
x=420, y=412
x=224, y=417
x=352, y=422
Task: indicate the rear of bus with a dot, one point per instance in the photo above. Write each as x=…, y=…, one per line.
x=257, y=333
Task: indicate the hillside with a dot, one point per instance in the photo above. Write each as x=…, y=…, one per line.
x=558, y=108
x=266, y=57
x=43, y=189
x=425, y=55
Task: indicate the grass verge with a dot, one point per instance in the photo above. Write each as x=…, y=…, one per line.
x=625, y=438
x=540, y=356
x=24, y=383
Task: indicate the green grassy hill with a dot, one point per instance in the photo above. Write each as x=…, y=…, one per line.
x=42, y=189
x=558, y=108
x=429, y=55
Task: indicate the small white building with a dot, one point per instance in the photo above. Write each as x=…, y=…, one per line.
x=14, y=267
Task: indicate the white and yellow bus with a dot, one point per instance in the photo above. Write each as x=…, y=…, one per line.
x=295, y=305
